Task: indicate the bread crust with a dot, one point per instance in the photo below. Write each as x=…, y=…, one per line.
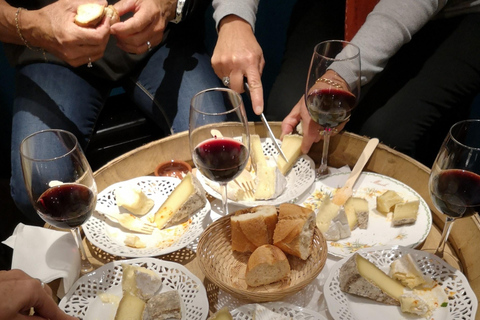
x=294, y=231
x=266, y=265
x=253, y=227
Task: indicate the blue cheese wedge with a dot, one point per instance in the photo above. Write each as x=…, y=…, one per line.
x=332, y=220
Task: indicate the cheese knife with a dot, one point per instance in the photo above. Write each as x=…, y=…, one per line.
x=342, y=195
x=264, y=120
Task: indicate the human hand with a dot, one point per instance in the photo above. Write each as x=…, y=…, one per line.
x=19, y=293
x=145, y=29
x=237, y=54
x=53, y=29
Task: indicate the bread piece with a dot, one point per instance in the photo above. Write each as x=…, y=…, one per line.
x=163, y=306
x=267, y=264
x=294, y=230
x=89, y=15
x=253, y=227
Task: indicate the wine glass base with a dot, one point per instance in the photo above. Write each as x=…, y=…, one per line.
x=448, y=258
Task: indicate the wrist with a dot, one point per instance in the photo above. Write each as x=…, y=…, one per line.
x=234, y=21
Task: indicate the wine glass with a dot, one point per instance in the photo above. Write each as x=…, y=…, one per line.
x=59, y=182
x=328, y=97
x=454, y=181
x=219, y=141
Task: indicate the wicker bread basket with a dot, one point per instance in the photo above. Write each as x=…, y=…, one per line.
x=226, y=268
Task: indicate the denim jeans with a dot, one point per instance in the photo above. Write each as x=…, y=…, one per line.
x=54, y=96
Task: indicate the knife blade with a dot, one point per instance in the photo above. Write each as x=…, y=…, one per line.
x=264, y=120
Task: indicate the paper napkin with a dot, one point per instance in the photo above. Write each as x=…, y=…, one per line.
x=45, y=254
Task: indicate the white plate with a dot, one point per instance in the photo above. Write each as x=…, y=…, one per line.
x=379, y=231
x=110, y=236
x=247, y=311
x=83, y=299
x=462, y=303
x=299, y=179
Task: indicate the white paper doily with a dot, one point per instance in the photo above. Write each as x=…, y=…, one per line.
x=299, y=179
x=83, y=300
x=462, y=303
x=247, y=311
x=380, y=231
x=110, y=237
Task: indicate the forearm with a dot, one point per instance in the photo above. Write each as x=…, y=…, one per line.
x=8, y=29
x=246, y=9
x=388, y=27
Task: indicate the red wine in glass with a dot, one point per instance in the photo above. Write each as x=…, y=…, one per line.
x=221, y=159
x=456, y=193
x=67, y=205
x=329, y=106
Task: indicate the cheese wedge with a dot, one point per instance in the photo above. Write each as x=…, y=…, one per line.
x=405, y=213
x=187, y=198
x=360, y=277
x=256, y=152
x=132, y=198
x=270, y=183
x=291, y=147
x=222, y=314
x=165, y=305
x=140, y=282
x=332, y=220
x=235, y=191
x=262, y=313
x=130, y=308
x=406, y=270
x=357, y=213
x=387, y=201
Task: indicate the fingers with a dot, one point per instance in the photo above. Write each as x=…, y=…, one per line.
x=256, y=91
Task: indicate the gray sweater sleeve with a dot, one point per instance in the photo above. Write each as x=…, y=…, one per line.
x=390, y=25
x=245, y=9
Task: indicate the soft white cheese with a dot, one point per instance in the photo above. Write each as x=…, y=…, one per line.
x=332, y=220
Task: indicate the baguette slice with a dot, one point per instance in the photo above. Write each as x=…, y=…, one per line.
x=89, y=15
x=267, y=264
x=253, y=227
x=294, y=231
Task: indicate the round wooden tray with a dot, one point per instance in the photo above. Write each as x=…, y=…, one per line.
x=226, y=268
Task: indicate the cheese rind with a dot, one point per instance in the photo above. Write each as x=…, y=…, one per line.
x=140, y=282
x=387, y=201
x=187, y=198
x=357, y=212
x=163, y=306
x=405, y=213
x=291, y=147
x=361, y=277
x=332, y=221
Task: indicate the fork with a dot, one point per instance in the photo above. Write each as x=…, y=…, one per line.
x=246, y=183
x=131, y=223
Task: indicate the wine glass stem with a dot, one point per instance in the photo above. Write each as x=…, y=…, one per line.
x=445, y=233
x=323, y=168
x=224, y=199
x=85, y=265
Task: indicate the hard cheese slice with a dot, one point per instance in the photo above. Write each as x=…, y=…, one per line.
x=291, y=147
x=361, y=277
x=186, y=199
x=405, y=213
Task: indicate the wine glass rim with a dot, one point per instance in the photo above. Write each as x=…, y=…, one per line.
x=45, y=131
x=217, y=113
x=357, y=54
x=450, y=132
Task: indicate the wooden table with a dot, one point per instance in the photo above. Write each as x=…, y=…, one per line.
x=344, y=150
